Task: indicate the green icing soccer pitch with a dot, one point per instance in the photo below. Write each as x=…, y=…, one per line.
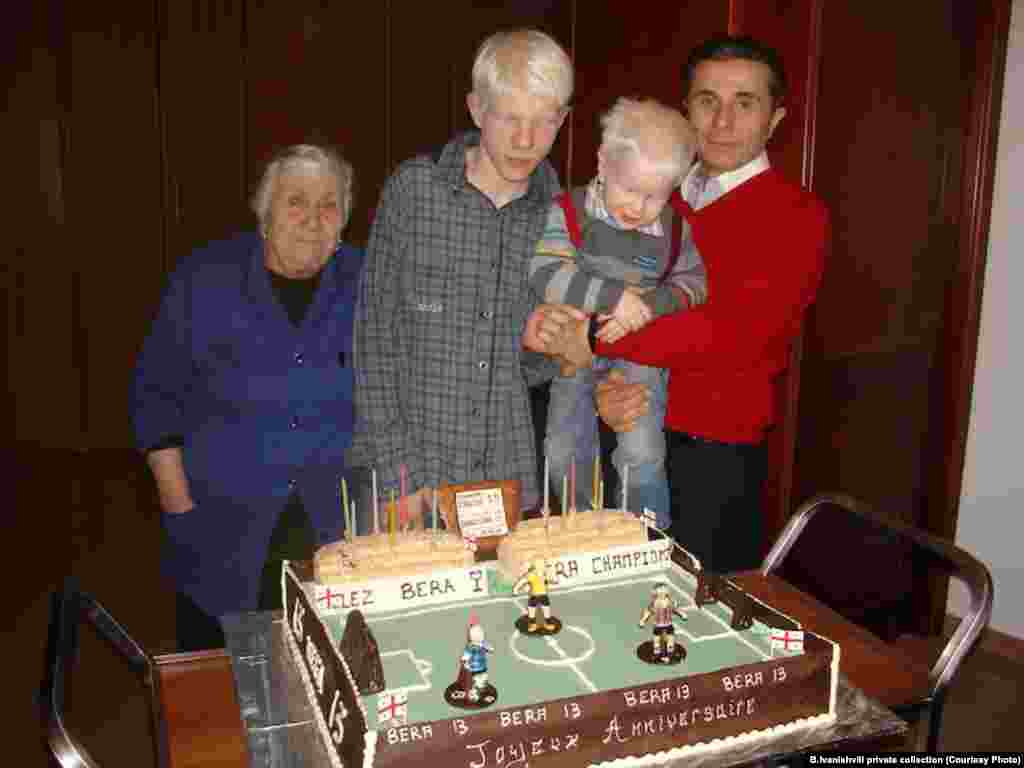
x=595, y=651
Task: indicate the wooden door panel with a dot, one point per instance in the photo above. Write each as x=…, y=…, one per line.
x=619, y=52
x=202, y=98
x=424, y=89
x=114, y=216
x=791, y=28
x=886, y=151
x=886, y=154
x=41, y=275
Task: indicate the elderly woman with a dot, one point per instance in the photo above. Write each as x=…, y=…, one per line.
x=243, y=394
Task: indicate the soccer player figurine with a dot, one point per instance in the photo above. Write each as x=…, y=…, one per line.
x=473, y=689
x=535, y=580
x=662, y=648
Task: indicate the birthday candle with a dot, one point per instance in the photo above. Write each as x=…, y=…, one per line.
x=392, y=511
x=546, y=509
x=434, y=511
x=344, y=507
x=565, y=495
x=353, y=518
x=376, y=504
x=571, y=504
x=403, y=501
x=597, y=479
x=625, y=486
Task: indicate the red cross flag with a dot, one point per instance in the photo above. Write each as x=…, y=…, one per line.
x=788, y=640
x=393, y=707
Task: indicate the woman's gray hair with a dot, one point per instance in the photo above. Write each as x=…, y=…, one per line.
x=324, y=160
x=522, y=58
x=650, y=130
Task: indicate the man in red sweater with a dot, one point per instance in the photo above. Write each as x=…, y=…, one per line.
x=762, y=239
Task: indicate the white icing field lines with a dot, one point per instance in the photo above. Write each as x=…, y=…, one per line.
x=422, y=666
x=565, y=660
x=730, y=632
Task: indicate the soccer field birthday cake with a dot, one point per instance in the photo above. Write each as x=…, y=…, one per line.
x=563, y=652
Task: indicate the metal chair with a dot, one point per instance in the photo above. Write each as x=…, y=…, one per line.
x=953, y=561
x=71, y=607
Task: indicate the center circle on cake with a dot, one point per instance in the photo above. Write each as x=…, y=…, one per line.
x=551, y=642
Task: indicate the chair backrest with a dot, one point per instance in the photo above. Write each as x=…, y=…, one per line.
x=72, y=607
x=923, y=548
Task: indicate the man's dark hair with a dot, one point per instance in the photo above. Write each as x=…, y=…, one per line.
x=745, y=47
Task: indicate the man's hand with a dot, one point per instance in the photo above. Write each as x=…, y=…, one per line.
x=547, y=324
x=571, y=346
x=620, y=403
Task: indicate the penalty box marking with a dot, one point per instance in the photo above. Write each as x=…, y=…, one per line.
x=730, y=631
x=422, y=666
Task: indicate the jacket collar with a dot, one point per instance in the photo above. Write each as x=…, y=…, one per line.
x=450, y=169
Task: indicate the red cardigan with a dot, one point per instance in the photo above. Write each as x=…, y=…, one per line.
x=763, y=244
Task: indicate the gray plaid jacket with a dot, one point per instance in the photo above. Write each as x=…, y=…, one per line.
x=441, y=379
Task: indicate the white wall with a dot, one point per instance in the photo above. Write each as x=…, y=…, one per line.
x=992, y=502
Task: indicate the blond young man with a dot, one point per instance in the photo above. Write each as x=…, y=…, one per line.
x=442, y=377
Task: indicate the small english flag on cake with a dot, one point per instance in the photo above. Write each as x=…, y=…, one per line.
x=393, y=707
x=791, y=640
x=649, y=517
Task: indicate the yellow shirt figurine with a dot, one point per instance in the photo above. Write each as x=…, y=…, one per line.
x=535, y=580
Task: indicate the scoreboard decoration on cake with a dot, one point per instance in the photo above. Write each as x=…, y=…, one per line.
x=481, y=512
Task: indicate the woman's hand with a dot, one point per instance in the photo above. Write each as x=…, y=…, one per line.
x=171, y=483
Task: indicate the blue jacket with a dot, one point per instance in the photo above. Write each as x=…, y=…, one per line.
x=264, y=408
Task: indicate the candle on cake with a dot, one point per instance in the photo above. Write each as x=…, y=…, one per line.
x=376, y=504
x=547, y=480
x=433, y=511
x=344, y=509
x=392, y=513
x=571, y=504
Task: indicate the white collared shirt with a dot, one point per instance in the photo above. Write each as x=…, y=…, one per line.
x=726, y=181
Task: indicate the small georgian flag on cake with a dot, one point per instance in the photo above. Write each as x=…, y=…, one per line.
x=393, y=707
x=791, y=640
